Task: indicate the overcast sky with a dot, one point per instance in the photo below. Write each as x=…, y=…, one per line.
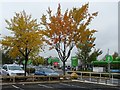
x=106, y=23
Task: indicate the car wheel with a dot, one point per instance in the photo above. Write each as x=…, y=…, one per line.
x=8, y=79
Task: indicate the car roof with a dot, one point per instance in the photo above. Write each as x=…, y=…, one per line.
x=10, y=65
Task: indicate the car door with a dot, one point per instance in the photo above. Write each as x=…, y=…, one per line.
x=4, y=70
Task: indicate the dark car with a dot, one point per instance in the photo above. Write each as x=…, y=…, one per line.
x=46, y=72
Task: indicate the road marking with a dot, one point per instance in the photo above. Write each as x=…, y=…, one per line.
x=71, y=85
x=17, y=87
x=45, y=86
x=65, y=84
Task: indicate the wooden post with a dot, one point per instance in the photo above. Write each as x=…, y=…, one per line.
x=81, y=75
x=112, y=78
x=49, y=78
x=33, y=78
x=98, y=80
x=90, y=76
x=100, y=77
x=105, y=80
x=13, y=79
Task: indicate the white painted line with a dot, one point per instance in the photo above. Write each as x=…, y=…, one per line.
x=65, y=84
x=17, y=87
x=71, y=85
x=45, y=86
x=94, y=82
x=75, y=80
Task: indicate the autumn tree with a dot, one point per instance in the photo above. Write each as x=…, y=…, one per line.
x=38, y=61
x=65, y=31
x=26, y=36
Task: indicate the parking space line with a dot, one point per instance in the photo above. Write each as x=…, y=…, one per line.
x=72, y=85
x=17, y=87
x=65, y=84
x=45, y=86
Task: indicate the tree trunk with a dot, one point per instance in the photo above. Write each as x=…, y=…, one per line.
x=26, y=59
x=63, y=67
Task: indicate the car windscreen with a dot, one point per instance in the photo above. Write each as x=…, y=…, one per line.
x=14, y=68
x=47, y=70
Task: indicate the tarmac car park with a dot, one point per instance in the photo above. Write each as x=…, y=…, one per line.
x=83, y=84
x=59, y=86
x=62, y=84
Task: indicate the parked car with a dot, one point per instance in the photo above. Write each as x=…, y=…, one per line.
x=46, y=72
x=115, y=70
x=12, y=70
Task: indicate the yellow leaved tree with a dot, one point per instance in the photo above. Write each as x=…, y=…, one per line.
x=26, y=36
x=64, y=31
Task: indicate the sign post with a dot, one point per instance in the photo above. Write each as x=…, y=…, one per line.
x=109, y=60
x=74, y=62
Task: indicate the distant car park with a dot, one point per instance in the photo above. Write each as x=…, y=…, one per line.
x=46, y=72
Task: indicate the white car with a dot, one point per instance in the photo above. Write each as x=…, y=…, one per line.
x=0, y=70
x=12, y=70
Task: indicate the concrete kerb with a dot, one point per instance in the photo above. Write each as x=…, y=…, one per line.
x=36, y=82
